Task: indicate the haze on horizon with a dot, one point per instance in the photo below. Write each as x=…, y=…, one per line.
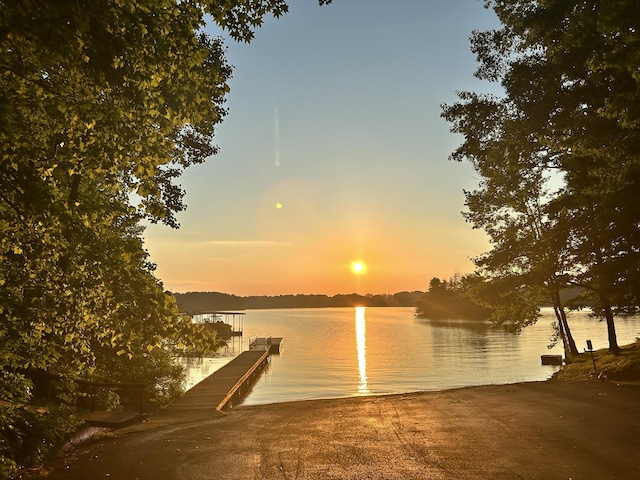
x=334, y=152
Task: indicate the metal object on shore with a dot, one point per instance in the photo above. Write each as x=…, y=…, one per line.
x=590, y=348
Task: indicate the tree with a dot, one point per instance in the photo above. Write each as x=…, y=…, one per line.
x=102, y=106
x=528, y=262
x=570, y=108
x=451, y=300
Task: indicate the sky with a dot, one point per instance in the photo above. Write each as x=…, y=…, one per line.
x=334, y=152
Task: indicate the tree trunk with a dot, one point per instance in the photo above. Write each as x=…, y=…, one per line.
x=563, y=336
x=74, y=193
x=572, y=344
x=611, y=326
x=570, y=347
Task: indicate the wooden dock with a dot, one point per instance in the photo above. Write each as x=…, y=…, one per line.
x=226, y=385
x=273, y=344
x=223, y=388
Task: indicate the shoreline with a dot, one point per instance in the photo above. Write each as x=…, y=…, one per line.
x=391, y=394
x=547, y=429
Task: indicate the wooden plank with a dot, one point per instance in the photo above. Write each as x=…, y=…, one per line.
x=217, y=389
x=245, y=377
x=270, y=343
x=551, y=359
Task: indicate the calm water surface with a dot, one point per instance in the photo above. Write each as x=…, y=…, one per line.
x=338, y=352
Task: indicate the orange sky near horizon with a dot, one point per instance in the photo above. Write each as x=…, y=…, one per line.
x=318, y=259
x=334, y=151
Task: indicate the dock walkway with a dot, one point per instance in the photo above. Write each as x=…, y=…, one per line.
x=273, y=344
x=223, y=388
x=220, y=388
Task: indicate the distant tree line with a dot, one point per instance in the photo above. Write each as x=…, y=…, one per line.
x=195, y=302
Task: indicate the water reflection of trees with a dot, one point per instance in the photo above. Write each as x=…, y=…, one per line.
x=472, y=325
x=450, y=334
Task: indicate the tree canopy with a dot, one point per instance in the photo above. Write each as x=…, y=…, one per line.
x=450, y=299
x=102, y=107
x=558, y=153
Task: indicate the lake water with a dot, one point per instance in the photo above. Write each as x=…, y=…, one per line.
x=340, y=352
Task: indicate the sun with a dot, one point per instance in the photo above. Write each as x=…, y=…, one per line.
x=358, y=267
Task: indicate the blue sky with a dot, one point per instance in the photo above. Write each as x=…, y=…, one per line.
x=334, y=151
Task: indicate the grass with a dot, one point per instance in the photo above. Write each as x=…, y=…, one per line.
x=622, y=368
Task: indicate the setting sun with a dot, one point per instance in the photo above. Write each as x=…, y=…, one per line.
x=358, y=268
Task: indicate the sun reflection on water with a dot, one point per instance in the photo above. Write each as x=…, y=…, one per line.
x=361, y=346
